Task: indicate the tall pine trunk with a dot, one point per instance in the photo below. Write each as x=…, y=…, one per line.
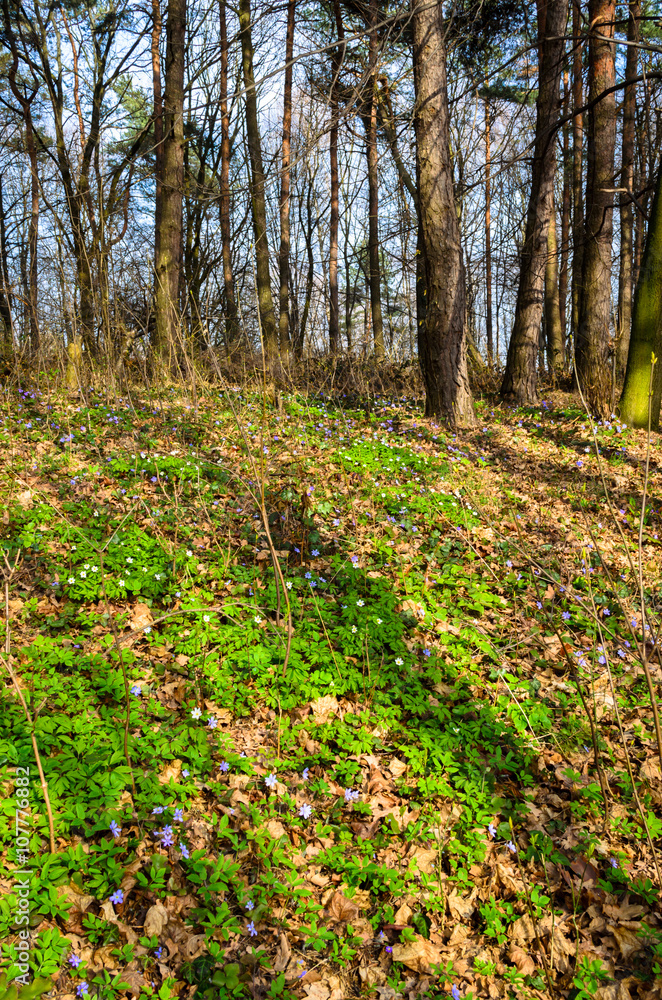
x=520, y=378
x=565, y=210
x=336, y=62
x=488, y=239
x=157, y=112
x=553, y=328
x=258, y=203
x=646, y=335
x=442, y=344
x=592, y=343
x=577, y=164
x=169, y=261
x=372, y=153
x=284, y=202
x=232, y=330
x=627, y=181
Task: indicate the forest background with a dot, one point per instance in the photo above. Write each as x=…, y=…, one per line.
x=330, y=489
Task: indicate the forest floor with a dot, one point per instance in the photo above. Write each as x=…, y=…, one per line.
x=405, y=771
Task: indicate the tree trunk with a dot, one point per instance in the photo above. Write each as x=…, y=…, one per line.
x=592, y=343
x=158, y=120
x=625, y=200
x=577, y=164
x=258, y=204
x=646, y=335
x=284, y=203
x=565, y=211
x=488, y=240
x=442, y=342
x=33, y=235
x=24, y=101
x=169, y=262
x=5, y=287
x=520, y=378
x=372, y=152
x=553, y=328
x=232, y=331
x=310, y=274
x=336, y=62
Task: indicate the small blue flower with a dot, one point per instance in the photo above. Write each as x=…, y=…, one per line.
x=165, y=836
x=492, y=830
x=185, y=772
x=157, y=810
x=115, y=829
x=305, y=810
x=271, y=781
x=305, y=773
x=74, y=960
x=184, y=850
x=117, y=897
x=135, y=690
x=249, y=905
x=178, y=815
x=224, y=766
x=566, y=616
x=82, y=989
x=455, y=993
x=251, y=928
x=613, y=862
x=511, y=847
x=350, y=795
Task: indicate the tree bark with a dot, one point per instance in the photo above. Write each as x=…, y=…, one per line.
x=553, y=328
x=5, y=287
x=284, y=203
x=232, y=330
x=442, y=344
x=372, y=153
x=169, y=261
x=646, y=335
x=158, y=120
x=258, y=204
x=625, y=200
x=577, y=165
x=592, y=342
x=520, y=378
x=565, y=210
x=336, y=62
x=24, y=101
x=488, y=239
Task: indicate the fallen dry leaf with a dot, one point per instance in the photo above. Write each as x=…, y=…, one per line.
x=342, y=909
x=156, y=919
x=323, y=708
x=418, y=955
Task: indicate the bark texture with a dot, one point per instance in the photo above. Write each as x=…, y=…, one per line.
x=627, y=181
x=442, y=344
x=372, y=153
x=553, y=327
x=336, y=62
x=577, y=164
x=592, y=343
x=284, y=201
x=520, y=378
x=232, y=329
x=169, y=260
x=646, y=335
x=258, y=204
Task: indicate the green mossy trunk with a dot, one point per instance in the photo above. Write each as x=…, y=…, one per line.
x=646, y=334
